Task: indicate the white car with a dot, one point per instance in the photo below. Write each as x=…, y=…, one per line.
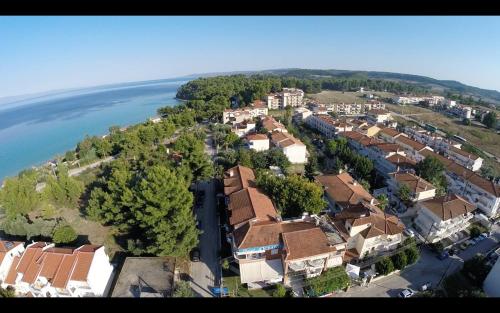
x=409, y=232
x=407, y=293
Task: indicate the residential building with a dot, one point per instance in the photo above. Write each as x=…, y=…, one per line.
x=399, y=162
x=234, y=116
x=420, y=189
x=243, y=128
x=145, y=277
x=378, y=115
x=292, y=97
x=46, y=271
x=342, y=191
x=238, y=178
x=301, y=114
x=285, y=251
x=8, y=251
x=257, y=142
x=413, y=149
x=272, y=125
x=287, y=97
x=450, y=103
x=491, y=284
x=443, y=216
x=369, y=130
x=431, y=139
x=464, y=158
x=327, y=125
x=389, y=134
x=293, y=148
x=250, y=205
x=466, y=183
x=368, y=231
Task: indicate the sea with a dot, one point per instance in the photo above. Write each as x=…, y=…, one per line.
x=35, y=130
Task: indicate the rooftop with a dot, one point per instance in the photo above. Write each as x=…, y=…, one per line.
x=238, y=178
x=391, y=132
x=306, y=243
x=448, y=206
x=344, y=190
x=463, y=153
x=415, y=183
x=412, y=143
x=154, y=275
x=250, y=203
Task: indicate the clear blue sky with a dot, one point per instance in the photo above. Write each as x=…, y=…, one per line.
x=46, y=53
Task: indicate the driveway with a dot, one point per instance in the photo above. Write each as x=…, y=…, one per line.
x=428, y=269
x=206, y=273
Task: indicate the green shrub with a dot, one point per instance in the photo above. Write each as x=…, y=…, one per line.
x=332, y=280
x=412, y=255
x=280, y=291
x=64, y=234
x=183, y=290
x=384, y=266
x=399, y=260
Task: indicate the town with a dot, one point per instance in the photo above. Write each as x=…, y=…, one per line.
x=290, y=197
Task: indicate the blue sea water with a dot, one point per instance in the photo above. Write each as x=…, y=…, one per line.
x=35, y=130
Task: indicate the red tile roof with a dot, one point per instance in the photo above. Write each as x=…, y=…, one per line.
x=448, y=206
x=344, y=190
x=306, y=243
x=242, y=177
x=250, y=203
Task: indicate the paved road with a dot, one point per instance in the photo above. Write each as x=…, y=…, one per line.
x=79, y=170
x=206, y=273
x=428, y=269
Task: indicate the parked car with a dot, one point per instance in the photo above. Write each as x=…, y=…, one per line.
x=487, y=235
x=407, y=293
x=481, y=237
x=195, y=255
x=443, y=255
x=453, y=251
x=476, y=240
x=463, y=246
x=198, y=224
x=409, y=232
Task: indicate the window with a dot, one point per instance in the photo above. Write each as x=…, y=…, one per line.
x=274, y=251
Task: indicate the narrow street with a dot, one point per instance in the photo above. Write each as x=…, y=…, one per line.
x=205, y=274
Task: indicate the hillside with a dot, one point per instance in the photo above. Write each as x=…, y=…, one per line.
x=438, y=86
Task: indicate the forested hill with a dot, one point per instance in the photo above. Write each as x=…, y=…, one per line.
x=427, y=83
x=246, y=88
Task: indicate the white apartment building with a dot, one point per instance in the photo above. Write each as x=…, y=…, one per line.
x=293, y=148
x=46, y=271
x=420, y=189
x=243, y=128
x=444, y=216
x=301, y=114
x=347, y=108
x=272, y=125
x=464, y=158
x=327, y=125
x=368, y=231
x=433, y=140
x=378, y=115
x=243, y=114
x=484, y=193
x=8, y=251
x=287, y=97
x=412, y=148
x=292, y=97
x=257, y=142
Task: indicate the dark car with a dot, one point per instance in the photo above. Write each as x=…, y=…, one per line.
x=195, y=255
x=198, y=224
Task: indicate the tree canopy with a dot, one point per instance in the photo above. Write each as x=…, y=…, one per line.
x=293, y=194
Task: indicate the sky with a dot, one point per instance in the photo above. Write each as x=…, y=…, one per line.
x=46, y=53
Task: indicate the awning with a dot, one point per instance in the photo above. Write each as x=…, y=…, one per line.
x=261, y=271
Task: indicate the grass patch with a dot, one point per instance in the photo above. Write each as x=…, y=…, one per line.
x=407, y=109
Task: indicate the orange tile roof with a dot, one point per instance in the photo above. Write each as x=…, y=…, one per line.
x=391, y=132
x=257, y=137
x=415, y=183
x=448, y=206
x=344, y=189
x=248, y=204
x=399, y=160
x=463, y=153
x=410, y=142
x=61, y=277
x=82, y=266
x=306, y=243
x=12, y=274
x=265, y=233
x=243, y=177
